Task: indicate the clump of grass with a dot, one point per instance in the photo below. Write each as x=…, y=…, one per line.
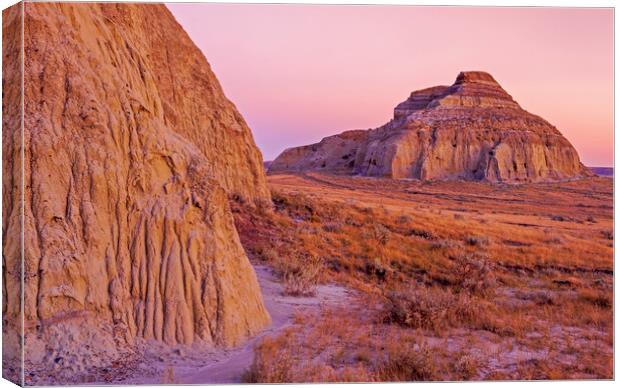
x=602, y=299
x=377, y=268
x=425, y=234
x=539, y=297
x=466, y=367
x=332, y=227
x=300, y=206
x=301, y=274
x=381, y=234
x=429, y=308
x=608, y=234
x=268, y=254
x=403, y=219
x=556, y=239
x=272, y=362
x=443, y=244
x=473, y=274
x=409, y=363
x=477, y=241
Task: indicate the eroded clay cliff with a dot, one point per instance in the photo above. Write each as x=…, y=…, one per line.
x=11, y=193
x=131, y=151
x=470, y=130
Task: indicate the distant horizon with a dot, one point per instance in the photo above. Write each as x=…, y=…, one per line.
x=295, y=83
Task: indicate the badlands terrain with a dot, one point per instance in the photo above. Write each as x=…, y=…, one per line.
x=450, y=280
x=372, y=279
x=470, y=130
x=157, y=250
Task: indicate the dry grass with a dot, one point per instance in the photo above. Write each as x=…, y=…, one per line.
x=518, y=270
x=435, y=309
x=301, y=276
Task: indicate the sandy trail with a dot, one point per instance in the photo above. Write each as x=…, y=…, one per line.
x=202, y=365
x=230, y=367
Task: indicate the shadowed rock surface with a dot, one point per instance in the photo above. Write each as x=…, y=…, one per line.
x=11, y=194
x=131, y=152
x=471, y=130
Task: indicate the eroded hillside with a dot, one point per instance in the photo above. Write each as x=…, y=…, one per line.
x=131, y=152
x=471, y=130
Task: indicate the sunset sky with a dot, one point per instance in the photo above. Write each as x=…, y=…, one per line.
x=299, y=73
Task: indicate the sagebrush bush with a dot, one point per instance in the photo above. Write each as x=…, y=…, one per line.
x=301, y=274
x=381, y=234
x=473, y=274
x=443, y=244
x=477, y=241
x=271, y=364
x=408, y=363
x=404, y=219
x=429, y=308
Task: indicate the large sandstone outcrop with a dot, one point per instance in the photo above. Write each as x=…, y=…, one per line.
x=131, y=151
x=471, y=130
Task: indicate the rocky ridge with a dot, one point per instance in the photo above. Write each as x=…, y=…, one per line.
x=471, y=130
x=131, y=151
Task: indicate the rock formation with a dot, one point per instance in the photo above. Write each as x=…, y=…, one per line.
x=471, y=130
x=131, y=151
x=11, y=193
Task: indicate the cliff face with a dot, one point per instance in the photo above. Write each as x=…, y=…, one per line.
x=470, y=130
x=131, y=151
x=11, y=194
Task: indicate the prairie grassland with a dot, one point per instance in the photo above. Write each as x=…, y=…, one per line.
x=454, y=280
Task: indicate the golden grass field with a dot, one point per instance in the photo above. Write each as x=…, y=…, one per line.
x=452, y=280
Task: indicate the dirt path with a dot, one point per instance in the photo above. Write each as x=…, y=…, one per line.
x=202, y=365
x=230, y=367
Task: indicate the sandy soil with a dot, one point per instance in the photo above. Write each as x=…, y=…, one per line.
x=200, y=364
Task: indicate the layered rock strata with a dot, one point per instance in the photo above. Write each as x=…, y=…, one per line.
x=470, y=130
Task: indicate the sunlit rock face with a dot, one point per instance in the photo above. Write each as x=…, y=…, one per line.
x=471, y=130
x=131, y=150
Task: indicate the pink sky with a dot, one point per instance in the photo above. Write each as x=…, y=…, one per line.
x=299, y=73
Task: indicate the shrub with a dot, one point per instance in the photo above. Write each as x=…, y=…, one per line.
x=596, y=297
x=443, y=244
x=332, y=227
x=272, y=362
x=425, y=234
x=269, y=254
x=477, y=241
x=556, y=240
x=466, y=367
x=473, y=274
x=408, y=363
x=381, y=234
x=429, y=308
x=297, y=206
x=377, y=268
x=301, y=275
x=403, y=219
x=352, y=221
